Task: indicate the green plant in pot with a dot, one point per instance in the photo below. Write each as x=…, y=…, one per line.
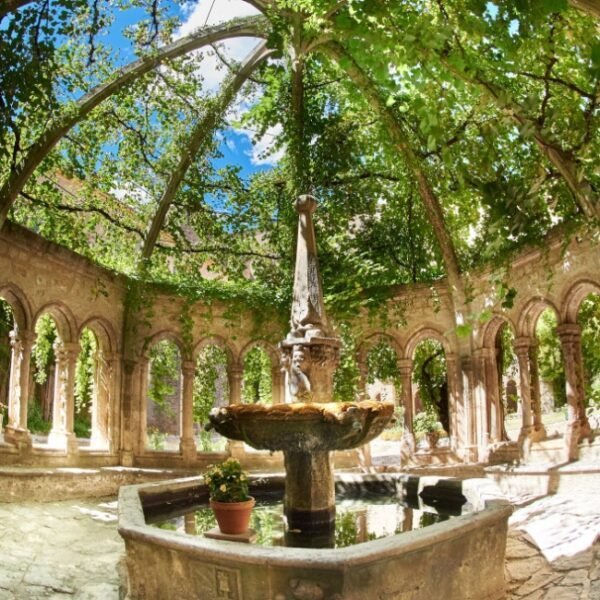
x=229, y=498
x=426, y=424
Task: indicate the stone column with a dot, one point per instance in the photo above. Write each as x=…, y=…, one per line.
x=235, y=374
x=578, y=427
x=63, y=404
x=139, y=409
x=536, y=401
x=469, y=414
x=187, y=445
x=277, y=393
x=101, y=400
x=482, y=399
x=405, y=366
x=521, y=347
x=531, y=430
x=127, y=401
x=455, y=404
x=363, y=374
x=309, y=490
x=16, y=431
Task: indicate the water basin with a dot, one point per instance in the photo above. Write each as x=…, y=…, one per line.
x=360, y=518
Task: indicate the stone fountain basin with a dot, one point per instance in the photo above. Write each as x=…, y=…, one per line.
x=443, y=560
x=306, y=427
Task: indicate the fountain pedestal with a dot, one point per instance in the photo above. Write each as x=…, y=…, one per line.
x=311, y=426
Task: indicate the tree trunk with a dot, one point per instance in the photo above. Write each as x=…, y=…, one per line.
x=591, y=7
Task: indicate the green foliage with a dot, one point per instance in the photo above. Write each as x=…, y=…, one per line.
x=257, y=380
x=85, y=370
x=346, y=531
x=6, y=326
x=165, y=373
x=227, y=482
x=210, y=381
x=156, y=438
x=550, y=360
x=346, y=377
x=426, y=422
x=43, y=350
x=430, y=375
x=35, y=419
x=589, y=319
x=382, y=363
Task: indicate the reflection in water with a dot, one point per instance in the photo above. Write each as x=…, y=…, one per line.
x=357, y=521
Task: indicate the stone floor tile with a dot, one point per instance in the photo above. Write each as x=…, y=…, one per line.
x=522, y=569
x=564, y=593
x=582, y=560
x=539, y=580
x=517, y=548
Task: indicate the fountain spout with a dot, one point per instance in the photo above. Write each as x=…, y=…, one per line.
x=310, y=353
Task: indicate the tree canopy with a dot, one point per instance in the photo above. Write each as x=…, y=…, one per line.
x=439, y=135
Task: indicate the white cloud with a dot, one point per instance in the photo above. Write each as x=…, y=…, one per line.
x=213, y=71
x=262, y=152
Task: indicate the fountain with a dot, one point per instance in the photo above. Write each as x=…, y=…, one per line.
x=444, y=559
x=311, y=426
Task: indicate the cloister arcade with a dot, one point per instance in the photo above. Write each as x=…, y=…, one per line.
x=44, y=279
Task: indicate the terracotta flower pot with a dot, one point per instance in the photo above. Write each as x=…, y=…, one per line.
x=432, y=439
x=233, y=517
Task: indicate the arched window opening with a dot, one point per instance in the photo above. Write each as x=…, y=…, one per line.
x=163, y=409
x=551, y=404
x=347, y=374
x=383, y=374
x=384, y=384
x=257, y=380
x=509, y=382
x=431, y=399
x=85, y=383
x=588, y=319
x=41, y=406
x=211, y=388
x=7, y=324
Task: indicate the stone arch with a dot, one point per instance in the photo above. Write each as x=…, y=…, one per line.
x=489, y=332
x=269, y=348
x=103, y=331
x=369, y=340
x=215, y=340
x=530, y=314
x=160, y=336
x=63, y=318
x=572, y=299
x=424, y=333
x=19, y=304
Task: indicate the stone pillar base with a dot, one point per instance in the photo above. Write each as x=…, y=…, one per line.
x=127, y=458
x=538, y=433
x=187, y=447
x=61, y=440
x=236, y=449
x=21, y=438
x=309, y=502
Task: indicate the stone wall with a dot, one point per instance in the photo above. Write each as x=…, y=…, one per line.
x=37, y=276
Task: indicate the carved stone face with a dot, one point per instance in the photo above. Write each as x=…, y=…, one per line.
x=298, y=357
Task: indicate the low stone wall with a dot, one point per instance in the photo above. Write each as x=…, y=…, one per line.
x=444, y=560
x=22, y=484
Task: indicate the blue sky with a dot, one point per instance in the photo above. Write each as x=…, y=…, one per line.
x=236, y=146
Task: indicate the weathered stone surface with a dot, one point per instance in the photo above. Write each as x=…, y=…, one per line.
x=564, y=593
x=579, y=561
x=540, y=579
x=516, y=548
x=522, y=569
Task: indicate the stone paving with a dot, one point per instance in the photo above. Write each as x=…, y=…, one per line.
x=71, y=550
x=553, y=549
x=60, y=550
